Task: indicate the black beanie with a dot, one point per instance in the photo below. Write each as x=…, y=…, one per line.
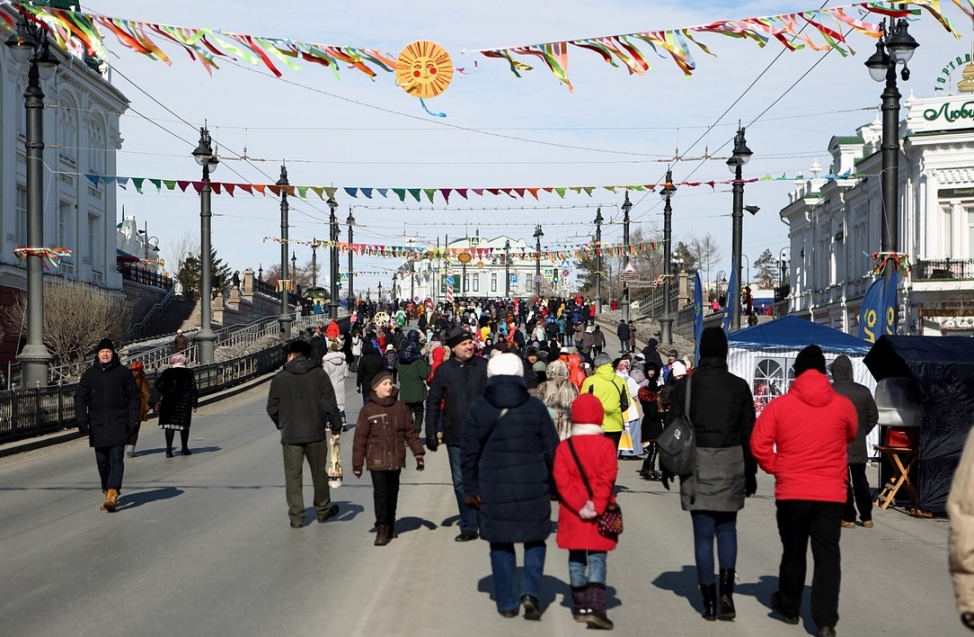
x=105, y=343
x=713, y=342
x=810, y=358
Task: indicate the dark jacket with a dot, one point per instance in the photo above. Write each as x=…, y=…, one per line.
x=623, y=332
x=178, y=396
x=368, y=366
x=389, y=360
x=862, y=399
x=301, y=403
x=384, y=428
x=107, y=403
x=510, y=469
x=457, y=386
x=180, y=344
x=531, y=379
x=722, y=412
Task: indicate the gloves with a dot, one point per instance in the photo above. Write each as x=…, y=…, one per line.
x=357, y=471
x=83, y=428
x=587, y=512
x=431, y=443
x=750, y=484
x=420, y=463
x=667, y=476
x=472, y=501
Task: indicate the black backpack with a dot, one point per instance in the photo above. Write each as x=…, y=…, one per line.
x=677, y=444
x=623, y=397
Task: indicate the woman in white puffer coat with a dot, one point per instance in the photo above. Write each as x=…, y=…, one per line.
x=337, y=370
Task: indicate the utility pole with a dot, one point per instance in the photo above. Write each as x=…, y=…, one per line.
x=285, y=318
x=626, y=207
x=666, y=323
x=351, y=273
x=314, y=262
x=598, y=260
x=537, y=260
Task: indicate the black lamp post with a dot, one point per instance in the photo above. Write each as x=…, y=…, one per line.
x=666, y=323
x=29, y=44
x=626, y=207
x=333, y=224
x=205, y=337
x=314, y=262
x=537, y=260
x=891, y=50
x=507, y=269
x=721, y=278
x=380, y=296
x=742, y=154
x=351, y=273
x=598, y=260
x=260, y=272
x=285, y=318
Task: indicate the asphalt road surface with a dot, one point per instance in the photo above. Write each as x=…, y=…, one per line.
x=201, y=545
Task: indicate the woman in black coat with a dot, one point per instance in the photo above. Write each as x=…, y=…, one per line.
x=178, y=399
x=507, y=453
x=368, y=366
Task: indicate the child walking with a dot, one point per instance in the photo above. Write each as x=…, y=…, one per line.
x=587, y=456
x=385, y=427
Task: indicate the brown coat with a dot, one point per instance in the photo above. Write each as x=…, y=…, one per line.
x=145, y=393
x=384, y=428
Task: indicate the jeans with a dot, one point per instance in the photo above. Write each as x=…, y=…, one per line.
x=468, y=517
x=417, y=409
x=503, y=564
x=111, y=466
x=385, y=493
x=625, y=345
x=706, y=526
x=317, y=455
x=578, y=561
x=858, y=495
x=799, y=521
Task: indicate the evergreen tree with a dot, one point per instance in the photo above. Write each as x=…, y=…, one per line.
x=190, y=272
x=767, y=270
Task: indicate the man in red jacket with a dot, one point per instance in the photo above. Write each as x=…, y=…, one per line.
x=800, y=439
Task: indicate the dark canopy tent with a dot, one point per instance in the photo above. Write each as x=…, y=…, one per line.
x=943, y=369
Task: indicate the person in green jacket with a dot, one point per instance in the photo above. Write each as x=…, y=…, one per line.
x=611, y=391
x=413, y=372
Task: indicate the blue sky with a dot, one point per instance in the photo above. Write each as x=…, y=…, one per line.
x=357, y=132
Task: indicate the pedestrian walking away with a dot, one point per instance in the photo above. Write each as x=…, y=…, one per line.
x=507, y=454
x=178, y=400
x=413, y=372
x=623, y=331
x=300, y=401
x=613, y=392
x=335, y=364
x=107, y=407
x=145, y=399
x=867, y=415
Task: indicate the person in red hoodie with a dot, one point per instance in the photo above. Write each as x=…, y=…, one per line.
x=800, y=439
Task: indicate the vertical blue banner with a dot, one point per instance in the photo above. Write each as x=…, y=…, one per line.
x=732, y=304
x=889, y=305
x=872, y=314
x=697, y=316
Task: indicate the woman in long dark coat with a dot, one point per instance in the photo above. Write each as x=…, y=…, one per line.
x=507, y=453
x=178, y=400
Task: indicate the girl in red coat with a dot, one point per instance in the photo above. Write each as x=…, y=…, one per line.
x=577, y=528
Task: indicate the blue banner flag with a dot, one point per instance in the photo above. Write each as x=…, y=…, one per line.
x=889, y=304
x=872, y=315
x=733, y=301
x=697, y=316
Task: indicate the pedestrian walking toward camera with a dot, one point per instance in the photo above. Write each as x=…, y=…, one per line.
x=858, y=494
x=300, y=402
x=107, y=407
x=507, y=454
x=801, y=440
x=178, y=400
x=181, y=344
x=384, y=430
x=369, y=365
x=145, y=398
x=585, y=473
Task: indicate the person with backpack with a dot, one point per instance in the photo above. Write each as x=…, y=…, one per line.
x=612, y=391
x=721, y=413
x=390, y=360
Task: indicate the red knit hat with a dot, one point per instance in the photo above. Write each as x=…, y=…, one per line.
x=587, y=409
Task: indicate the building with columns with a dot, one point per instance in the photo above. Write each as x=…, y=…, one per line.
x=835, y=221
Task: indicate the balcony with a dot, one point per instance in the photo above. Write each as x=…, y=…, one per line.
x=130, y=272
x=781, y=292
x=944, y=269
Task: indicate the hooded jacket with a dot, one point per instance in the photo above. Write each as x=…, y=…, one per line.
x=609, y=389
x=413, y=372
x=107, y=403
x=862, y=399
x=384, y=429
x=301, y=402
x=368, y=366
x=336, y=367
x=801, y=437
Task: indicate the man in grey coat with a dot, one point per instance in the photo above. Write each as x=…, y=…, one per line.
x=862, y=398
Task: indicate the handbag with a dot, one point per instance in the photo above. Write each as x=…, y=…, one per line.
x=334, y=469
x=609, y=522
x=677, y=444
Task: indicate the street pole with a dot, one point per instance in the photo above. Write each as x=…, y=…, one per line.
x=205, y=338
x=285, y=318
x=666, y=323
x=314, y=262
x=598, y=260
x=626, y=207
x=351, y=273
x=29, y=44
x=537, y=260
x=333, y=220
x=507, y=269
x=742, y=154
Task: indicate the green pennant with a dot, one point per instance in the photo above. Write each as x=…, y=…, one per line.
x=302, y=191
x=401, y=193
x=561, y=192
x=169, y=183
x=429, y=193
x=588, y=190
x=137, y=182
x=414, y=192
x=330, y=191
x=157, y=183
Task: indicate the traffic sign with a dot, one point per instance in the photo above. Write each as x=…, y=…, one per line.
x=449, y=280
x=344, y=276
x=537, y=278
x=629, y=276
x=547, y=272
x=642, y=284
x=513, y=278
x=629, y=268
x=565, y=272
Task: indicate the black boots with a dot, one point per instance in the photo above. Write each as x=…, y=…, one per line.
x=727, y=610
x=381, y=535
x=709, y=594
x=648, y=472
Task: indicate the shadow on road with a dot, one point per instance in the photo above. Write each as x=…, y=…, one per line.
x=453, y=520
x=683, y=583
x=132, y=500
x=551, y=589
x=162, y=451
x=405, y=525
x=768, y=584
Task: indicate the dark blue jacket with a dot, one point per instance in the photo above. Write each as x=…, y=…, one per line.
x=511, y=468
x=456, y=385
x=107, y=404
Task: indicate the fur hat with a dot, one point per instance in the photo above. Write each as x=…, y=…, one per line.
x=588, y=410
x=810, y=358
x=299, y=346
x=378, y=378
x=713, y=342
x=505, y=365
x=457, y=336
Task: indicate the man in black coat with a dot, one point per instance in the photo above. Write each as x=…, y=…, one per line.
x=302, y=403
x=623, y=332
x=108, y=408
x=368, y=366
x=456, y=383
x=862, y=399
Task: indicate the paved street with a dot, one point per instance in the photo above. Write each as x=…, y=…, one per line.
x=201, y=546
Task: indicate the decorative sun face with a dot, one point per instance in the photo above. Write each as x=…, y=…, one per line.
x=424, y=69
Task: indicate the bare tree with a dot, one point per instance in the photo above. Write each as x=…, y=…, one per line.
x=707, y=252
x=175, y=251
x=76, y=317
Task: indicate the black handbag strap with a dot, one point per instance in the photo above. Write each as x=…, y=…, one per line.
x=588, y=487
x=493, y=428
x=686, y=400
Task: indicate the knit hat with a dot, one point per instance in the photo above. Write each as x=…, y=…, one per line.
x=674, y=353
x=652, y=343
x=390, y=347
x=299, y=346
x=105, y=343
x=378, y=378
x=457, y=336
x=713, y=342
x=810, y=358
x=601, y=359
x=679, y=369
x=588, y=410
x=505, y=365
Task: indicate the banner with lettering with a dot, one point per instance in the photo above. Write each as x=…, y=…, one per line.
x=872, y=318
x=889, y=304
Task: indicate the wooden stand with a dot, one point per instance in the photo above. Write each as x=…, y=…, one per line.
x=902, y=460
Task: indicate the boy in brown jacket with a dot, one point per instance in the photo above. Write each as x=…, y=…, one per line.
x=384, y=428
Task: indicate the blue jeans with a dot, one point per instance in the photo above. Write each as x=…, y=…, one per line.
x=578, y=561
x=468, y=517
x=111, y=466
x=707, y=525
x=503, y=563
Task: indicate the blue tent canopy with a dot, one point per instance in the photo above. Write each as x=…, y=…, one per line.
x=791, y=332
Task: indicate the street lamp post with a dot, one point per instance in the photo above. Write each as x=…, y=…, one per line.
x=598, y=260
x=260, y=272
x=507, y=269
x=285, y=318
x=335, y=276
x=145, y=242
x=29, y=44
x=721, y=278
x=537, y=260
x=314, y=262
x=351, y=273
x=626, y=207
x=891, y=50
x=742, y=154
x=205, y=338
x=666, y=323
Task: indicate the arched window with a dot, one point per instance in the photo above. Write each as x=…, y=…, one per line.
x=96, y=147
x=67, y=128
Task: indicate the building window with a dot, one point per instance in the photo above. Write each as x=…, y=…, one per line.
x=948, y=233
x=476, y=283
x=493, y=282
x=970, y=233
x=64, y=234
x=21, y=217
x=95, y=245
x=466, y=283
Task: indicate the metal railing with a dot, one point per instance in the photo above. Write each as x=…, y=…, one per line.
x=944, y=269
x=781, y=292
x=146, y=277
x=154, y=312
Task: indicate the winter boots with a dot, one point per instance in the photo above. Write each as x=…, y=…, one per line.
x=111, y=501
x=130, y=451
x=596, y=616
x=580, y=609
x=727, y=610
x=381, y=535
x=648, y=472
x=709, y=594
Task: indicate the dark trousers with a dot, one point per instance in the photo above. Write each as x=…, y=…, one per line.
x=317, y=455
x=615, y=437
x=858, y=496
x=385, y=493
x=417, y=409
x=706, y=526
x=111, y=466
x=799, y=521
x=468, y=517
